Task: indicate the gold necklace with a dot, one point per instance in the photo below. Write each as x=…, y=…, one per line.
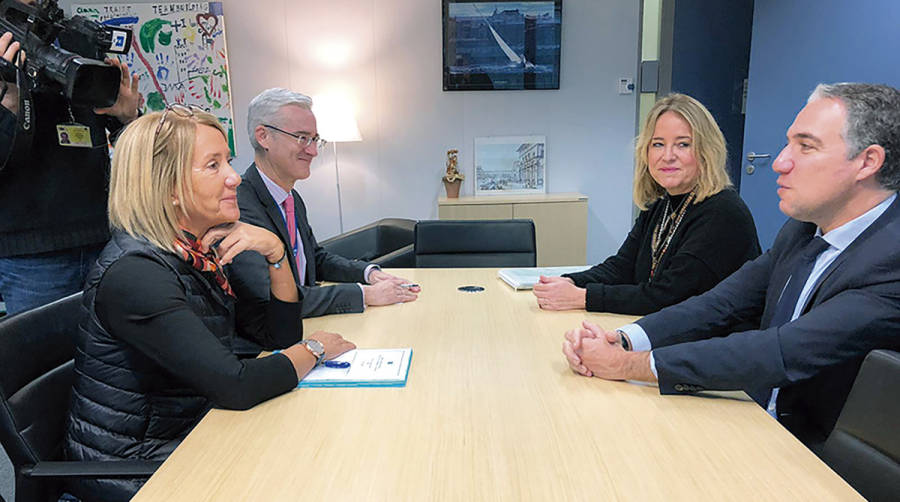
x=665, y=230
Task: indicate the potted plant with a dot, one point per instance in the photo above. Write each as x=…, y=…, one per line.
x=453, y=178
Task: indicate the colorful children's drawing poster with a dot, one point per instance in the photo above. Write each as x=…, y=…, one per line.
x=178, y=50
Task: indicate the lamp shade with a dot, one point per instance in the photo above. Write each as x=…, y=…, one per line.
x=335, y=120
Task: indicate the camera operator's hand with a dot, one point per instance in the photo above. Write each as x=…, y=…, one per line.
x=126, y=106
x=8, y=50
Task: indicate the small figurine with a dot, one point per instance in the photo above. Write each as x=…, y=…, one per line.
x=453, y=178
x=453, y=173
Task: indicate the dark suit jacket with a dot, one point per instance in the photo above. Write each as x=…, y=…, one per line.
x=250, y=273
x=853, y=309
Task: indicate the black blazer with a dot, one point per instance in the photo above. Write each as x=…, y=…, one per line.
x=716, y=237
x=853, y=309
x=249, y=271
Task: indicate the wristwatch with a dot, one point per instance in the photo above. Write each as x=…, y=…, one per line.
x=624, y=340
x=315, y=348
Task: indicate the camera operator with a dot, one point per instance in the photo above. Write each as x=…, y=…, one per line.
x=53, y=193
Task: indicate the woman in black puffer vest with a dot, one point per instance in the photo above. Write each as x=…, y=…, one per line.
x=154, y=349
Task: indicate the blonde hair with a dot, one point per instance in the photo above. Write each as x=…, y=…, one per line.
x=149, y=169
x=708, y=145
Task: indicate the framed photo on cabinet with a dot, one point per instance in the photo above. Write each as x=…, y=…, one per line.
x=510, y=165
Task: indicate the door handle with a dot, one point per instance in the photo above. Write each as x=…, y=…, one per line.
x=753, y=156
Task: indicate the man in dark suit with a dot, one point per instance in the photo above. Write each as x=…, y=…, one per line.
x=284, y=136
x=824, y=295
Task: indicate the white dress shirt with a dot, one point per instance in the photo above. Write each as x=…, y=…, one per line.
x=279, y=195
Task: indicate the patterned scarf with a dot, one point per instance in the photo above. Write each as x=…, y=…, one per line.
x=192, y=253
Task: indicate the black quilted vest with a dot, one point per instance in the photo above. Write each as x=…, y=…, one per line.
x=124, y=405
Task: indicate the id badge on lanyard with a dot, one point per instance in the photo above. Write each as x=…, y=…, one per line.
x=73, y=134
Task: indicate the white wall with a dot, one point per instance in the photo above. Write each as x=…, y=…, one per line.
x=385, y=56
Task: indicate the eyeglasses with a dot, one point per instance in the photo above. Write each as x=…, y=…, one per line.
x=183, y=111
x=303, y=139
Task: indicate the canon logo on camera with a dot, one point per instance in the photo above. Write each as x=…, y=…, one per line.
x=26, y=115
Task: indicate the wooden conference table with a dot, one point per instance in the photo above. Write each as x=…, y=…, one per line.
x=490, y=412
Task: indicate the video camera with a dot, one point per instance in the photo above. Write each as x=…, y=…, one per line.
x=76, y=65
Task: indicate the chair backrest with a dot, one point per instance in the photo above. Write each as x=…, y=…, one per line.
x=475, y=243
x=394, y=233
x=36, y=377
x=864, y=447
x=373, y=241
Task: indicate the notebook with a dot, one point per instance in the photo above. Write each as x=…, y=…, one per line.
x=526, y=278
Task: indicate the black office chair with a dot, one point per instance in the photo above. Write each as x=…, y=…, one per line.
x=387, y=242
x=475, y=243
x=36, y=377
x=864, y=447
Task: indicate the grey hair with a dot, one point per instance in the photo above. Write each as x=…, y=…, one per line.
x=265, y=106
x=873, y=118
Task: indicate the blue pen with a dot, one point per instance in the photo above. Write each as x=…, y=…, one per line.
x=336, y=364
x=410, y=285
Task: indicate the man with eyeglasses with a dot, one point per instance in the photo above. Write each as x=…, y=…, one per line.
x=283, y=133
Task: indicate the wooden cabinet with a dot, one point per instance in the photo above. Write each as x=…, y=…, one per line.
x=560, y=221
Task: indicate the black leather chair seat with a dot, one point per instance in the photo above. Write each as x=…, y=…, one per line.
x=36, y=378
x=864, y=447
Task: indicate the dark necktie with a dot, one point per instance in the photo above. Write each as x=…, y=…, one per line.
x=786, y=305
x=784, y=310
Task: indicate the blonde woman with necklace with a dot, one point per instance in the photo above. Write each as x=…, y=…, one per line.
x=693, y=231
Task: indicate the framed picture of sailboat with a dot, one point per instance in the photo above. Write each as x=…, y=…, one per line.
x=501, y=44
